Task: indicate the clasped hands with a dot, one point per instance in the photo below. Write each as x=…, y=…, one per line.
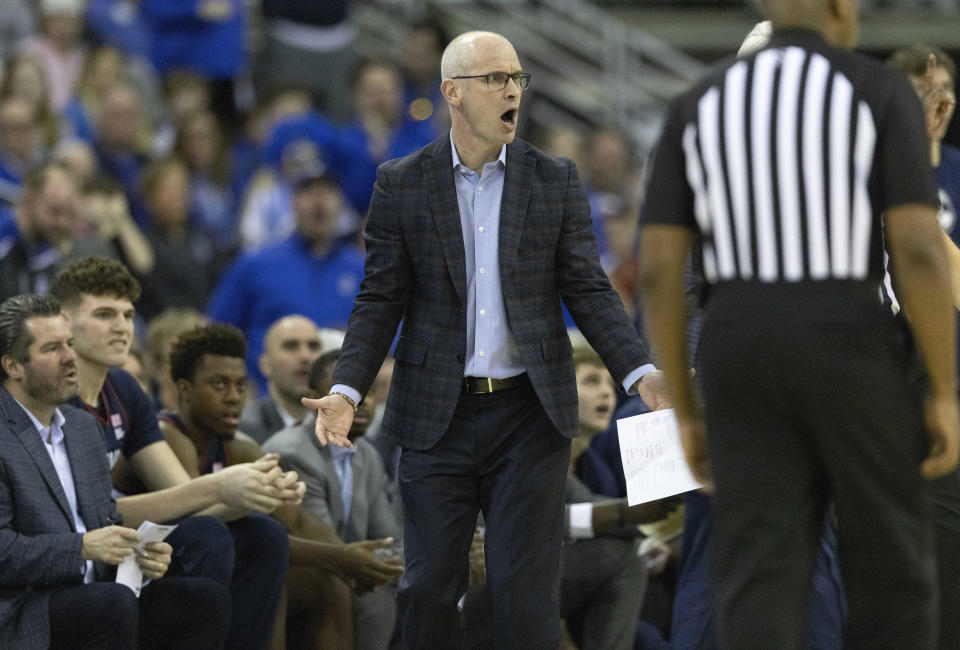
x=261, y=486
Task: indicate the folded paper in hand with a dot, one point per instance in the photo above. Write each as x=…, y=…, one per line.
x=653, y=461
x=129, y=573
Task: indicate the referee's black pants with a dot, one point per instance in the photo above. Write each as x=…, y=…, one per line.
x=808, y=402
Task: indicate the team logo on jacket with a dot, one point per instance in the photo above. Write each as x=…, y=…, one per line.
x=117, y=423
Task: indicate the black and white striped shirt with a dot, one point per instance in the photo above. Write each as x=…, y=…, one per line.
x=785, y=160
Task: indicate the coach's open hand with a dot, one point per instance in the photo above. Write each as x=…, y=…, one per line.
x=334, y=419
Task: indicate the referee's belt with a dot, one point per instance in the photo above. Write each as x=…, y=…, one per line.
x=484, y=385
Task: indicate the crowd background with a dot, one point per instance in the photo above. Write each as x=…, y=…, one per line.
x=225, y=152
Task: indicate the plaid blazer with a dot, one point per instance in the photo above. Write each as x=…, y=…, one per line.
x=39, y=547
x=416, y=272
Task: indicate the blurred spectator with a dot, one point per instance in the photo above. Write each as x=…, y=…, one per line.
x=45, y=215
x=20, y=145
x=612, y=181
x=309, y=273
x=200, y=144
x=17, y=22
x=186, y=262
x=119, y=24
x=204, y=37
x=378, y=133
x=59, y=48
x=25, y=77
x=289, y=347
x=347, y=489
x=104, y=69
x=420, y=53
x=310, y=44
x=184, y=93
x=162, y=333
x=278, y=104
x=122, y=143
x=106, y=229
x=137, y=369
x=78, y=157
x=298, y=148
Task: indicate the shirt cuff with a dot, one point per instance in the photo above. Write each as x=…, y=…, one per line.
x=352, y=393
x=635, y=375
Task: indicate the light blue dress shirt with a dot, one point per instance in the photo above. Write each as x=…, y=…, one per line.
x=343, y=466
x=491, y=348
x=52, y=437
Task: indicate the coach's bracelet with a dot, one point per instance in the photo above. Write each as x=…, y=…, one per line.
x=346, y=397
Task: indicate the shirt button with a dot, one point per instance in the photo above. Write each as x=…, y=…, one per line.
x=480, y=353
x=483, y=312
x=480, y=188
x=480, y=228
x=482, y=270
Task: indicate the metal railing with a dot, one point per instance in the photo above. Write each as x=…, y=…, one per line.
x=589, y=68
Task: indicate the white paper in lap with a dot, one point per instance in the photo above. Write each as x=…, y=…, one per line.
x=128, y=572
x=653, y=461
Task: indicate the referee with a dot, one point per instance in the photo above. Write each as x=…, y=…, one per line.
x=795, y=166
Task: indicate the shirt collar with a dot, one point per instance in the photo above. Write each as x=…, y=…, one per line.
x=56, y=424
x=502, y=158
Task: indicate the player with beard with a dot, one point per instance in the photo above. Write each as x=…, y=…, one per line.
x=207, y=364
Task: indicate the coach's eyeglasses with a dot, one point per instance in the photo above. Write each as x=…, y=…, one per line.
x=498, y=80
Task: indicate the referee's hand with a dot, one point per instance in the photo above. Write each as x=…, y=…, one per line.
x=943, y=426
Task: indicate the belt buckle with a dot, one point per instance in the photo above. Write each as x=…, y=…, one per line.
x=489, y=385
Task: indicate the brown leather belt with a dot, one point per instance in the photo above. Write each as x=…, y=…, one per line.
x=484, y=385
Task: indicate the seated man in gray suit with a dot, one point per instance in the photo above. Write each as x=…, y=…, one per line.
x=347, y=488
x=59, y=538
x=290, y=345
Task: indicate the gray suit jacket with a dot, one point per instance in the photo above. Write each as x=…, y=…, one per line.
x=39, y=546
x=416, y=271
x=371, y=514
x=261, y=419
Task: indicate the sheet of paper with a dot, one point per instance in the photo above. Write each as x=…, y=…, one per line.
x=653, y=461
x=129, y=573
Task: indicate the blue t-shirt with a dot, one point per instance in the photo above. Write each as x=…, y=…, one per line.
x=125, y=414
x=285, y=279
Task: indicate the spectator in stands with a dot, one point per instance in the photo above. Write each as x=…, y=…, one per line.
x=105, y=228
x=45, y=215
x=17, y=22
x=186, y=259
x=290, y=346
x=204, y=37
x=184, y=93
x=135, y=365
x=420, y=52
x=311, y=44
x=162, y=332
x=21, y=145
x=207, y=364
x=26, y=78
x=104, y=68
x=379, y=132
x=249, y=553
x=613, y=185
x=309, y=273
x=59, y=48
x=78, y=157
x=933, y=75
x=122, y=142
x=603, y=578
x=300, y=147
x=119, y=24
x=59, y=538
x=347, y=488
x=200, y=144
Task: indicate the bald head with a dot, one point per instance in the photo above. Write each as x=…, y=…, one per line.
x=289, y=347
x=465, y=49
x=836, y=20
